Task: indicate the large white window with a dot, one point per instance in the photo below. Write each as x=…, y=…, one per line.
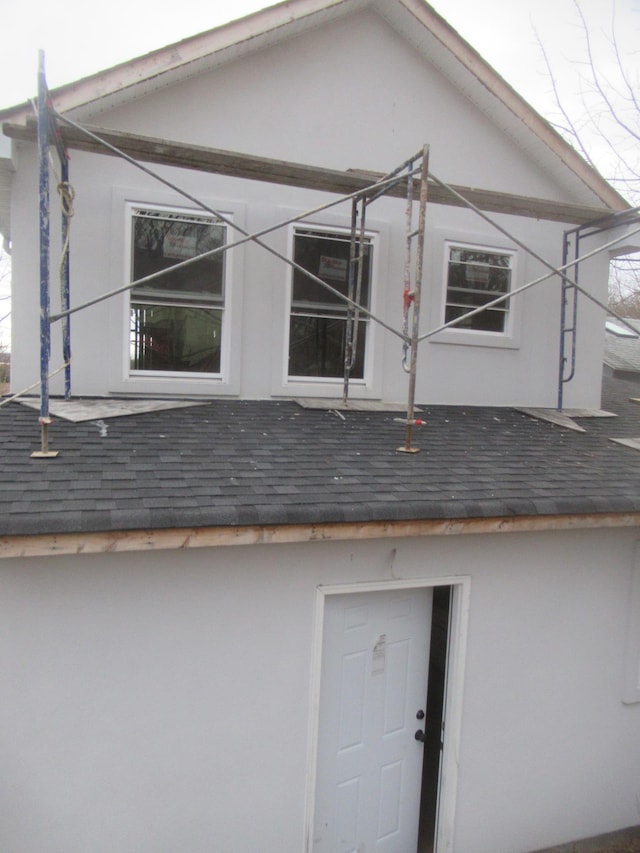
x=176, y=320
x=476, y=276
x=318, y=323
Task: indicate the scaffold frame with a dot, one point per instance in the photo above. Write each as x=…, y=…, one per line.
x=411, y=180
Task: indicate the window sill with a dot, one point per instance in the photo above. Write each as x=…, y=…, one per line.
x=173, y=384
x=473, y=338
x=309, y=386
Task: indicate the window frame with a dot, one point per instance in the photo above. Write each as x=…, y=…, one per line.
x=221, y=305
x=508, y=337
x=328, y=384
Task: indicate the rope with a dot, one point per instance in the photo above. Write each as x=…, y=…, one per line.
x=66, y=194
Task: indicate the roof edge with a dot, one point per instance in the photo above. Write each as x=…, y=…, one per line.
x=173, y=539
x=473, y=61
x=127, y=74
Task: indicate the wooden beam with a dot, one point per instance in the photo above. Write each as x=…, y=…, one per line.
x=170, y=153
x=117, y=541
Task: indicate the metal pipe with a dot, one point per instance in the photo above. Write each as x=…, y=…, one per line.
x=43, y=189
x=563, y=320
x=417, y=295
x=358, y=294
x=65, y=294
x=406, y=293
x=348, y=343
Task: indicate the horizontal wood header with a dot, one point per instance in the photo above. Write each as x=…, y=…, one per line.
x=170, y=153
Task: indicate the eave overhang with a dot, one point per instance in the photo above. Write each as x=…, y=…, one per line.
x=181, y=539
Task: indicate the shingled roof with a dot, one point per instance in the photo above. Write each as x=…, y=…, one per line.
x=228, y=463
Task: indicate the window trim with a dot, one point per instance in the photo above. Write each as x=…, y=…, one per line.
x=157, y=376
x=325, y=385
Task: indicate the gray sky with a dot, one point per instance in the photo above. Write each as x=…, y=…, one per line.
x=80, y=37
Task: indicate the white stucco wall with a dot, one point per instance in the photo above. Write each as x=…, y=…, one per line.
x=352, y=94
x=160, y=702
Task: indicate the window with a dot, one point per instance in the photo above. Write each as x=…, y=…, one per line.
x=318, y=319
x=176, y=320
x=476, y=276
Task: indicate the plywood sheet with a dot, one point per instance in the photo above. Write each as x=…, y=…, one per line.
x=350, y=405
x=78, y=410
x=634, y=443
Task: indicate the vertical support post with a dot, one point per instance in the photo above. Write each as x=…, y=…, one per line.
x=566, y=290
x=351, y=289
x=417, y=295
x=45, y=327
x=64, y=285
x=563, y=315
x=356, y=267
x=407, y=294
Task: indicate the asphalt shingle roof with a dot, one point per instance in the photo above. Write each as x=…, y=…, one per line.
x=233, y=462
x=621, y=352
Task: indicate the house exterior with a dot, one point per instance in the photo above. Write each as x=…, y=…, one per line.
x=234, y=622
x=264, y=322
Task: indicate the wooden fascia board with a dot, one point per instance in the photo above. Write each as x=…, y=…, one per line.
x=180, y=539
x=170, y=153
x=524, y=112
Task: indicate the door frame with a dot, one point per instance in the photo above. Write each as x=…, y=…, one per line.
x=454, y=687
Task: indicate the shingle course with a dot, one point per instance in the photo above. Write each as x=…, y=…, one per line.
x=242, y=463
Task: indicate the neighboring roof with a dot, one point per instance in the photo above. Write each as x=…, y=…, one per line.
x=621, y=349
x=240, y=464
x=415, y=20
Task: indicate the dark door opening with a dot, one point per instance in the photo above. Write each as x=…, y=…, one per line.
x=434, y=728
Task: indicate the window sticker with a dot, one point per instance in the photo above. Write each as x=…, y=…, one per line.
x=333, y=268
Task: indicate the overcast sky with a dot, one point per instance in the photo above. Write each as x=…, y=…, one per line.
x=80, y=37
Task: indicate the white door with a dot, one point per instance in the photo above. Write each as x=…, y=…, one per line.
x=373, y=694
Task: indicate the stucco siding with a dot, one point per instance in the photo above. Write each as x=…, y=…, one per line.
x=162, y=702
x=349, y=95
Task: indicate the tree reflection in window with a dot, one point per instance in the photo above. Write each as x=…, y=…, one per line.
x=176, y=319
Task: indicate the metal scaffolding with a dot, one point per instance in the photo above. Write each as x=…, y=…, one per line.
x=411, y=180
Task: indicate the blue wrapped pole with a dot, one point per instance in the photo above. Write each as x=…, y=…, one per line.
x=65, y=290
x=43, y=188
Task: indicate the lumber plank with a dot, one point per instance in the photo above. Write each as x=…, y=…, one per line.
x=251, y=167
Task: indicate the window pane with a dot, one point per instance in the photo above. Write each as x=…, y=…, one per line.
x=178, y=338
x=161, y=240
x=476, y=277
x=487, y=321
x=318, y=325
x=316, y=347
x=326, y=256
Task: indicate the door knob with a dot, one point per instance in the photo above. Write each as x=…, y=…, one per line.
x=419, y=735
